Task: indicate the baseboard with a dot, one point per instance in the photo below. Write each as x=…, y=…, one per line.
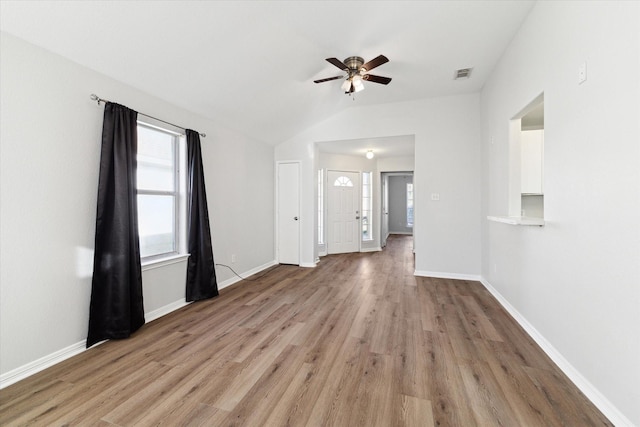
x=308, y=264
x=158, y=313
x=593, y=394
x=49, y=360
x=45, y=362
x=376, y=249
x=444, y=275
x=236, y=279
x=31, y=368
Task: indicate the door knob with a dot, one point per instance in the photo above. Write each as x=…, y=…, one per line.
x=295, y=218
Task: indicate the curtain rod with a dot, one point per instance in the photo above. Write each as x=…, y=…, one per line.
x=96, y=98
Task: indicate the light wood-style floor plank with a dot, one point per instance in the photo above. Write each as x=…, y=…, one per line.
x=356, y=341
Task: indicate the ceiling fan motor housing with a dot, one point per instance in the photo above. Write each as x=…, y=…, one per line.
x=354, y=63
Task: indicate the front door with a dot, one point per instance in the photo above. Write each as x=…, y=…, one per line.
x=343, y=212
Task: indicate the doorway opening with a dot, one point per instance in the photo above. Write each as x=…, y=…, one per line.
x=368, y=158
x=397, y=204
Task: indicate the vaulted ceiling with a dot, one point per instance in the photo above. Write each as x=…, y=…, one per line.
x=250, y=65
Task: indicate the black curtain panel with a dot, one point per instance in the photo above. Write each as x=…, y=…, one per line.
x=116, y=309
x=201, y=273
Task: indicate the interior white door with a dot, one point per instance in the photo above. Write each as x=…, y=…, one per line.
x=288, y=215
x=343, y=212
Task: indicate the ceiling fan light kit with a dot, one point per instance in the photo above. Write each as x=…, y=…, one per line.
x=357, y=71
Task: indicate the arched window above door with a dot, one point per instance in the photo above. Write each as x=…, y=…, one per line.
x=343, y=181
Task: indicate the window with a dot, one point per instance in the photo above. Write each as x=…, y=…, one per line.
x=320, y=207
x=158, y=189
x=409, y=204
x=343, y=181
x=367, y=233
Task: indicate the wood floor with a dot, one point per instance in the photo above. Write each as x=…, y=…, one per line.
x=357, y=341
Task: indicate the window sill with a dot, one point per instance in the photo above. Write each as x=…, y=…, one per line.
x=517, y=220
x=161, y=262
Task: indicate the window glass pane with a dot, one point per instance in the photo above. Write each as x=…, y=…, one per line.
x=156, y=224
x=409, y=205
x=320, y=206
x=343, y=181
x=155, y=160
x=366, y=207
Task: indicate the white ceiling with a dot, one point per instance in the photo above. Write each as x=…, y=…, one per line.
x=250, y=65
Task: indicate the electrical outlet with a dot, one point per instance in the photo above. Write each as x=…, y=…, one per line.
x=582, y=73
x=435, y=196
x=233, y=258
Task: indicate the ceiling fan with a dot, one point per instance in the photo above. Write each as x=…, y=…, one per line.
x=357, y=71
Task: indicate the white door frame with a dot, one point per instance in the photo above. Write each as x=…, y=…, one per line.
x=277, y=207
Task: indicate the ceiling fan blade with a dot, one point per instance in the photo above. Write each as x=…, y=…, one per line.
x=337, y=63
x=375, y=62
x=328, y=79
x=376, y=79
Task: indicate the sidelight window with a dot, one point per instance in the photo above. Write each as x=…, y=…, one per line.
x=367, y=233
x=409, y=204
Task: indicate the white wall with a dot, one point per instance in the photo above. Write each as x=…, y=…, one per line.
x=396, y=164
x=577, y=279
x=447, y=161
x=346, y=163
x=50, y=149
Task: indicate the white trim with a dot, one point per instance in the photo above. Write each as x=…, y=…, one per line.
x=404, y=233
x=236, y=279
x=308, y=264
x=445, y=275
x=373, y=249
x=517, y=220
x=56, y=357
x=157, y=263
x=43, y=363
x=159, y=312
x=590, y=391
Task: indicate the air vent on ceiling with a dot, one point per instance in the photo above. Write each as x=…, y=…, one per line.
x=462, y=73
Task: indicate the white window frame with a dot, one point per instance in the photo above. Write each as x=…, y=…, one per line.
x=178, y=194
